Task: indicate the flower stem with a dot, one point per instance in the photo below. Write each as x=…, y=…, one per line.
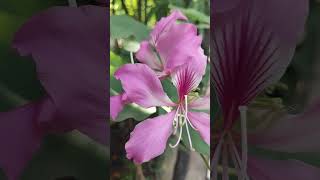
x=244, y=143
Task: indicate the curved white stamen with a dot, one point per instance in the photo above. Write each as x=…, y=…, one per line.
x=72, y=3
x=131, y=58
x=178, y=141
x=191, y=124
x=185, y=120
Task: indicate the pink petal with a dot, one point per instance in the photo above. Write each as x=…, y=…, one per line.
x=178, y=45
x=165, y=23
x=149, y=138
x=252, y=49
x=116, y=104
x=292, y=134
x=147, y=56
x=142, y=85
x=187, y=78
x=71, y=63
x=202, y=103
x=201, y=121
x=263, y=169
x=20, y=136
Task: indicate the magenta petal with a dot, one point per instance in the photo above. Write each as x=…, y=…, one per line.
x=71, y=63
x=149, y=138
x=142, y=85
x=164, y=24
x=20, y=136
x=201, y=121
x=146, y=55
x=202, y=103
x=187, y=77
x=116, y=104
x=293, y=134
x=253, y=49
x=179, y=45
x=263, y=169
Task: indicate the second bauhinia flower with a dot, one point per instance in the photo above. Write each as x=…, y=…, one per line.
x=173, y=51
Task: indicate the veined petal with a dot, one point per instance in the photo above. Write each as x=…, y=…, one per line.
x=201, y=121
x=178, y=44
x=142, y=86
x=116, y=104
x=186, y=78
x=147, y=55
x=202, y=103
x=149, y=138
x=292, y=134
x=164, y=24
x=263, y=169
x=252, y=49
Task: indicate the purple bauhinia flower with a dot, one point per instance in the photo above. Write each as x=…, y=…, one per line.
x=69, y=48
x=171, y=44
x=143, y=87
x=253, y=43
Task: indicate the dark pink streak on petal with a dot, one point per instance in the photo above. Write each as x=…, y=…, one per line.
x=265, y=169
x=186, y=78
x=250, y=50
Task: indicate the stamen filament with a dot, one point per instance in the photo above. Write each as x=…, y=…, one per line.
x=178, y=141
x=131, y=58
x=244, y=143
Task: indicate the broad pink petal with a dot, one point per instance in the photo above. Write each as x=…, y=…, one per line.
x=178, y=45
x=252, y=49
x=202, y=103
x=263, y=169
x=149, y=138
x=71, y=63
x=201, y=121
x=116, y=104
x=292, y=134
x=147, y=55
x=186, y=78
x=165, y=24
x=142, y=85
x=20, y=136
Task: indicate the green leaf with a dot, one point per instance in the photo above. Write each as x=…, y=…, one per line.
x=193, y=14
x=123, y=27
x=134, y=111
x=198, y=144
x=115, y=62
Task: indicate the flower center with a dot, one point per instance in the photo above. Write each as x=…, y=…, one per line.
x=181, y=120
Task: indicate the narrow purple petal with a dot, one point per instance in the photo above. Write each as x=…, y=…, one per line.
x=201, y=121
x=263, y=169
x=252, y=49
x=142, y=85
x=149, y=138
